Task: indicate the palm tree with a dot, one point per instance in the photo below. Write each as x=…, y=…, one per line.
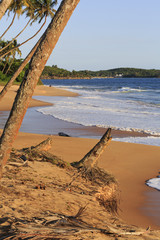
x=19, y=70
x=29, y=11
x=13, y=55
x=37, y=10
x=7, y=56
x=16, y=35
x=36, y=66
x=41, y=9
x=4, y=4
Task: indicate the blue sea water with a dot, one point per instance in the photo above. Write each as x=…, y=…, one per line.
x=131, y=104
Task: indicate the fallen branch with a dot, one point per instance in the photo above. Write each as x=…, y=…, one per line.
x=43, y=146
x=90, y=159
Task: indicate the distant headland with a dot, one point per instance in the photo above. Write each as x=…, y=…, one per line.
x=55, y=72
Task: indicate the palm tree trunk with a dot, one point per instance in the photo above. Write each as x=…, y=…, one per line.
x=19, y=70
x=15, y=36
x=10, y=65
x=1, y=56
x=4, y=4
x=37, y=63
x=4, y=66
x=8, y=26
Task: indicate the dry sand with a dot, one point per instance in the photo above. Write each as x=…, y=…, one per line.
x=131, y=164
x=7, y=101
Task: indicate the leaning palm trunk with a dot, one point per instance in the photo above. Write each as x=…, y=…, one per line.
x=2, y=49
x=19, y=70
x=37, y=63
x=4, y=4
x=9, y=26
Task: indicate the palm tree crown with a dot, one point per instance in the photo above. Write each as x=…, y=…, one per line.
x=16, y=7
x=39, y=9
x=34, y=9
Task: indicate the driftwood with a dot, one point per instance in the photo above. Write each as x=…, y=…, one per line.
x=43, y=146
x=90, y=159
x=107, y=188
x=20, y=158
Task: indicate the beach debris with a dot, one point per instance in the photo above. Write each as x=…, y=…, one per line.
x=15, y=164
x=40, y=186
x=19, y=158
x=49, y=157
x=85, y=219
x=23, y=157
x=59, y=225
x=107, y=197
x=62, y=134
x=107, y=192
x=90, y=159
x=44, y=145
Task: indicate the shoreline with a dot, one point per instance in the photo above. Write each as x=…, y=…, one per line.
x=132, y=164
x=42, y=90
x=33, y=122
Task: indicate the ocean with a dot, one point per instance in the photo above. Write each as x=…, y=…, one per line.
x=131, y=104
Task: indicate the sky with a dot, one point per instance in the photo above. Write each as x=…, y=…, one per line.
x=102, y=35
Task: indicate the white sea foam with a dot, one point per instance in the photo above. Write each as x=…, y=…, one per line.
x=122, y=104
x=128, y=89
x=150, y=140
x=154, y=183
x=104, y=112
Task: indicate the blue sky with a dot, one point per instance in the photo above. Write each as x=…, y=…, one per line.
x=104, y=34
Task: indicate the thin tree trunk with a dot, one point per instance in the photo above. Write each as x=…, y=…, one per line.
x=4, y=4
x=8, y=26
x=19, y=70
x=1, y=56
x=15, y=37
x=26, y=90
x=90, y=159
x=10, y=65
x=4, y=67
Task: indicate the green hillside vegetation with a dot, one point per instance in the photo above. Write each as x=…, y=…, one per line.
x=7, y=69
x=55, y=72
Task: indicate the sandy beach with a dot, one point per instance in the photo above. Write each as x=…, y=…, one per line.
x=131, y=164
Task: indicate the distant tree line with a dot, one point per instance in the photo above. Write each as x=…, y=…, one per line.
x=55, y=72
x=10, y=65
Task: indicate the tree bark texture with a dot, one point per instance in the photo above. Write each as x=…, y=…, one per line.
x=90, y=159
x=4, y=4
x=37, y=63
